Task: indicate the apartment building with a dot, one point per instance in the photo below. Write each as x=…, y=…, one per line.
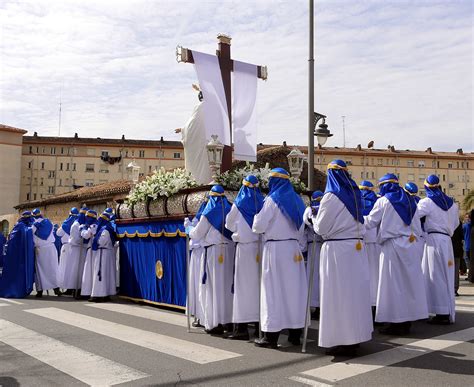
x=56, y=165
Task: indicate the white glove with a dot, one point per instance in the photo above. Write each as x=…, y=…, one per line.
x=93, y=229
x=187, y=222
x=195, y=222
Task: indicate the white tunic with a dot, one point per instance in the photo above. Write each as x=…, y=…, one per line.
x=284, y=287
x=438, y=257
x=73, y=262
x=195, y=262
x=346, y=315
x=315, y=243
x=373, y=252
x=216, y=293
x=246, y=270
x=194, y=143
x=63, y=253
x=46, y=262
x=103, y=277
x=401, y=295
x=88, y=272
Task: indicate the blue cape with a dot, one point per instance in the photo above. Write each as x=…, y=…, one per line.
x=403, y=203
x=284, y=196
x=435, y=193
x=66, y=226
x=17, y=278
x=103, y=225
x=201, y=208
x=249, y=200
x=216, y=211
x=43, y=229
x=340, y=184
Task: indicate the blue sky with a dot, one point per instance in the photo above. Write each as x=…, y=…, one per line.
x=400, y=71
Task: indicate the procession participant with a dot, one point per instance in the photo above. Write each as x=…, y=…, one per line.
x=412, y=189
x=3, y=241
x=87, y=231
x=438, y=261
x=401, y=297
x=345, y=319
x=46, y=255
x=112, y=216
x=57, y=241
x=16, y=280
x=215, y=293
x=104, y=273
x=370, y=239
x=284, y=287
x=314, y=243
x=195, y=263
x=69, y=262
x=246, y=285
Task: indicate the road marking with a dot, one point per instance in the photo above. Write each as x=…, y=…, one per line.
x=144, y=312
x=1, y=304
x=340, y=371
x=81, y=365
x=465, y=302
x=197, y=353
x=11, y=301
x=469, y=309
x=308, y=382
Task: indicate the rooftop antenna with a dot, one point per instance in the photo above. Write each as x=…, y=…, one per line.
x=60, y=110
x=344, y=131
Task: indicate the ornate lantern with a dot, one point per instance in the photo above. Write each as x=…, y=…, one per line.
x=214, y=155
x=296, y=159
x=133, y=171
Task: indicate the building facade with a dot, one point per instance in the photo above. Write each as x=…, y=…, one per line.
x=56, y=165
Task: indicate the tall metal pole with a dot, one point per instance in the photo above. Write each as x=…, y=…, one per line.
x=311, y=98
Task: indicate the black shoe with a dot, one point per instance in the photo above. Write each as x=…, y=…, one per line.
x=264, y=343
x=94, y=299
x=456, y=294
x=77, y=294
x=396, y=329
x=69, y=292
x=343, y=350
x=57, y=292
x=39, y=294
x=439, y=320
x=239, y=336
x=315, y=314
x=197, y=324
x=219, y=330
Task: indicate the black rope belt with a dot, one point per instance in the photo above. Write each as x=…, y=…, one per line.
x=438, y=232
x=343, y=239
x=280, y=240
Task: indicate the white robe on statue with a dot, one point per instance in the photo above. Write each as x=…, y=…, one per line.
x=373, y=252
x=215, y=295
x=438, y=257
x=73, y=263
x=401, y=295
x=246, y=270
x=88, y=272
x=104, y=271
x=194, y=142
x=315, y=243
x=284, y=287
x=346, y=314
x=46, y=261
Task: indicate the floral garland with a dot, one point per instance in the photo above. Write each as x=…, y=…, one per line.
x=167, y=183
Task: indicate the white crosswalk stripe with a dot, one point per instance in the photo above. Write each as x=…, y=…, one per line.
x=183, y=349
x=340, y=371
x=308, y=382
x=2, y=304
x=144, y=312
x=81, y=365
x=11, y=301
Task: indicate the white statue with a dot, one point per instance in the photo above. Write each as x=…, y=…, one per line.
x=193, y=137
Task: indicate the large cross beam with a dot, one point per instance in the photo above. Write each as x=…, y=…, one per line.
x=226, y=65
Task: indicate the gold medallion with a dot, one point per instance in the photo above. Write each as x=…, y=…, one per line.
x=359, y=246
x=412, y=238
x=159, y=269
x=220, y=259
x=450, y=263
x=257, y=258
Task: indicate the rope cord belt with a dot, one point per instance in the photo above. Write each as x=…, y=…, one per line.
x=343, y=239
x=438, y=232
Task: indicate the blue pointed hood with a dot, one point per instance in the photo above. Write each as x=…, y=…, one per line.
x=403, y=203
x=340, y=184
x=217, y=209
x=435, y=193
x=249, y=200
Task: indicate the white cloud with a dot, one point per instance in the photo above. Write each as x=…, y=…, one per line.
x=400, y=71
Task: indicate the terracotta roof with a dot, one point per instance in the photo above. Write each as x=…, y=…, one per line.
x=83, y=194
x=6, y=128
x=100, y=141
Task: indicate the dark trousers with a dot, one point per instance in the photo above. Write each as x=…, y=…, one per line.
x=272, y=337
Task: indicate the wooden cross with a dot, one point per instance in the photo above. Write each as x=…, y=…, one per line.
x=226, y=65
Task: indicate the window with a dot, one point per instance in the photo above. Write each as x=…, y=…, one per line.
x=60, y=166
x=30, y=163
x=60, y=182
x=67, y=167
x=149, y=169
x=31, y=150
x=373, y=175
x=51, y=189
x=73, y=166
x=42, y=165
x=28, y=196
x=348, y=161
x=126, y=153
x=104, y=154
x=411, y=177
x=177, y=155
x=141, y=153
x=34, y=196
x=53, y=150
x=457, y=164
x=444, y=177
x=133, y=152
x=103, y=170
x=160, y=154
x=422, y=177
x=43, y=150
x=379, y=161
x=421, y=163
x=450, y=165
x=462, y=164
x=42, y=181
x=89, y=167
x=90, y=152
x=362, y=175
x=410, y=163
x=51, y=174
x=89, y=183
x=62, y=150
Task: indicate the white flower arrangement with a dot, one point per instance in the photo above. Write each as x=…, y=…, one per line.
x=161, y=183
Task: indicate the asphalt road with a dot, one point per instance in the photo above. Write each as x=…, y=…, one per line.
x=62, y=342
